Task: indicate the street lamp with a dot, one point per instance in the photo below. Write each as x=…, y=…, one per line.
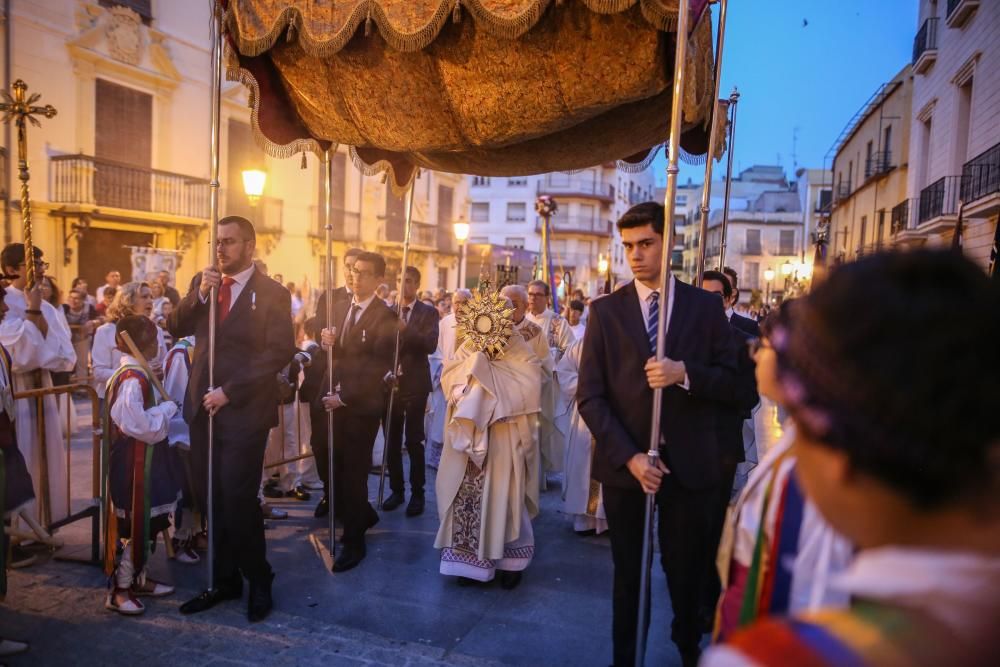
x=768, y=276
x=461, y=229
x=602, y=264
x=253, y=184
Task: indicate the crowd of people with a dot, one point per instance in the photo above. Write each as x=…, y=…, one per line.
x=869, y=529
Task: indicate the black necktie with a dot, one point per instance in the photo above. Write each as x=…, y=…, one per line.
x=355, y=309
x=406, y=314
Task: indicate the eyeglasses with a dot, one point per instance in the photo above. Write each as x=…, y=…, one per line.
x=360, y=273
x=229, y=242
x=38, y=265
x=755, y=345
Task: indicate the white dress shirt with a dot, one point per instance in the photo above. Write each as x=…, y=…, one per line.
x=240, y=281
x=363, y=307
x=644, y=293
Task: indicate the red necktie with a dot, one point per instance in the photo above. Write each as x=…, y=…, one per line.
x=225, y=298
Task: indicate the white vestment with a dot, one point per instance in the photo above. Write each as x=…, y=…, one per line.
x=487, y=486
x=33, y=358
x=557, y=336
x=437, y=406
x=581, y=494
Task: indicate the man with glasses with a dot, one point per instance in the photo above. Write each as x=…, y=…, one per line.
x=40, y=343
x=254, y=341
x=362, y=341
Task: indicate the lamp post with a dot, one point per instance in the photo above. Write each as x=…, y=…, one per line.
x=602, y=265
x=461, y=229
x=768, y=276
x=253, y=185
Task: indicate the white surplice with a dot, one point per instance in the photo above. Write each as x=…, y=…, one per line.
x=33, y=358
x=557, y=336
x=487, y=486
x=582, y=495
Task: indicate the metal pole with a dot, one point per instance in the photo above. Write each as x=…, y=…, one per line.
x=328, y=218
x=734, y=99
x=706, y=190
x=213, y=200
x=395, y=356
x=680, y=62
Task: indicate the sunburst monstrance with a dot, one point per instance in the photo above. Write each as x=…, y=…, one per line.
x=486, y=321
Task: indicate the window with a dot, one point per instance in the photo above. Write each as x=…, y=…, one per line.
x=517, y=182
x=864, y=233
x=753, y=242
x=480, y=181
x=123, y=132
x=751, y=275
x=445, y=216
x=479, y=240
x=786, y=242
x=514, y=242
x=443, y=278
x=682, y=200
x=887, y=141
x=143, y=8
x=516, y=211
x=880, y=229
x=338, y=190
x=481, y=212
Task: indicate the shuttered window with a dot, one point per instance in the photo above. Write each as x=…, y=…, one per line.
x=123, y=136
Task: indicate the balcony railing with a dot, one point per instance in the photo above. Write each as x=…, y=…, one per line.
x=903, y=215
x=576, y=187
x=939, y=199
x=346, y=224
x=421, y=233
x=578, y=224
x=879, y=163
x=981, y=175
x=842, y=191
x=84, y=179
x=925, y=45
x=959, y=12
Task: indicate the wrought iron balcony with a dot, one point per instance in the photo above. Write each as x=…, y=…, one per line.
x=939, y=199
x=576, y=187
x=879, y=163
x=421, y=233
x=903, y=216
x=87, y=180
x=346, y=224
x=959, y=12
x=981, y=176
x=925, y=46
x=577, y=224
x=841, y=192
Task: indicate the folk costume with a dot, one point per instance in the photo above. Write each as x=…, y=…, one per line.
x=188, y=517
x=34, y=358
x=581, y=494
x=142, y=491
x=487, y=483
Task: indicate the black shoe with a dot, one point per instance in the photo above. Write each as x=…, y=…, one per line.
x=393, y=501
x=323, y=508
x=273, y=492
x=350, y=557
x=210, y=598
x=260, y=603
x=416, y=506
x=299, y=493
x=509, y=580
x=373, y=517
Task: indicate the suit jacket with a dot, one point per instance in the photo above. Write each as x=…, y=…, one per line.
x=312, y=375
x=744, y=399
x=252, y=345
x=339, y=294
x=362, y=359
x=616, y=402
x=746, y=325
x=416, y=343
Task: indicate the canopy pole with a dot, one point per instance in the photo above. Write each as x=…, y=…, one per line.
x=706, y=190
x=734, y=99
x=680, y=66
x=216, y=100
x=328, y=219
x=395, y=357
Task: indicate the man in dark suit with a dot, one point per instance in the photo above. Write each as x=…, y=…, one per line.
x=363, y=339
x=254, y=341
x=699, y=359
x=342, y=293
x=418, y=338
x=744, y=324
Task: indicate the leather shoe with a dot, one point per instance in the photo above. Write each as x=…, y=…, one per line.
x=299, y=493
x=350, y=557
x=208, y=599
x=509, y=580
x=393, y=501
x=273, y=512
x=260, y=603
x=273, y=492
x=416, y=506
x=373, y=517
x=323, y=508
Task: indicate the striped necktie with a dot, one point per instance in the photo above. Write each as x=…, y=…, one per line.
x=653, y=321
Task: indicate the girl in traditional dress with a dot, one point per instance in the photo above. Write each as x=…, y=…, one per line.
x=142, y=490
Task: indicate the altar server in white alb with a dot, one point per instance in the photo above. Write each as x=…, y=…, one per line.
x=487, y=483
x=39, y=343
x=438, y=406
x=581, y=494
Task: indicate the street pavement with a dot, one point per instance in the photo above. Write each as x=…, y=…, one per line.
x=394, y=609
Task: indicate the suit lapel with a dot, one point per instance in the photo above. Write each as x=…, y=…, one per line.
x=632, y=316
x=677, y=318
x=242, y=304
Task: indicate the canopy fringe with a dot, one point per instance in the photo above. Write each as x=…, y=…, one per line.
x=383, y=167
x=638, y=167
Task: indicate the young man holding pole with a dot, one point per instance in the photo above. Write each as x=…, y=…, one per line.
x=700, y=357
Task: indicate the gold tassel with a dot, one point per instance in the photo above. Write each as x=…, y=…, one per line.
x=456, y=13
x=290, y=35
x=304, y=164
x=368, y=24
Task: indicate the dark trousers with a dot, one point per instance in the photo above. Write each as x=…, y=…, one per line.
x=407, y=413
x=684, y=529
x=353, y=442
x=238, y=521
x=318, y=443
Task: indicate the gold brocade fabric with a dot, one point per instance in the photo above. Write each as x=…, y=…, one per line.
x=513, y=87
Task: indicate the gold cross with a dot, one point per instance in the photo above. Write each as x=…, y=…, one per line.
x=20, y=107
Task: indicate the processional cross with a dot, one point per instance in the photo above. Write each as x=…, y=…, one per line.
x=20, y=108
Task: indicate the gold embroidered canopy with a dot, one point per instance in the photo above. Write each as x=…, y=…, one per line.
x=487, y=87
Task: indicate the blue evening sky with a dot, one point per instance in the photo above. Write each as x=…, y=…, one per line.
x=812, y=77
